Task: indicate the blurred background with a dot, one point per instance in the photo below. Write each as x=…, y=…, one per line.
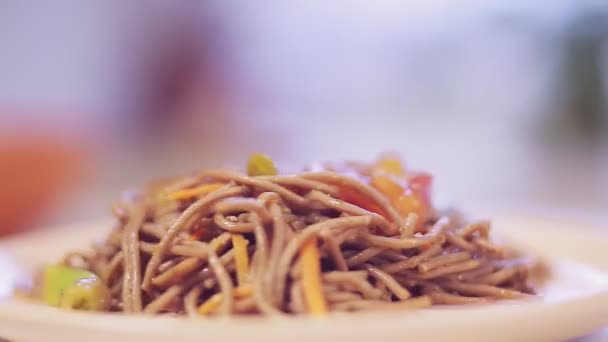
x=504, y=101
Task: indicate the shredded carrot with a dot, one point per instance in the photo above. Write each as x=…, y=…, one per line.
x=242, y=292
x=214, y=301
x=194, y=192
x=311, y=278
x=241, y=258
x=210, y=304
x=219, y=242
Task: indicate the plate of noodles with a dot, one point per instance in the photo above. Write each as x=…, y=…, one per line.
x=337, y=250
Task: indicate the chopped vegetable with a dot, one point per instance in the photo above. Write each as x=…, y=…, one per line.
x=390, y=164
x=241, y=258
x=409, y=193
x=194, y=192
x=210, y=304
x=260, y=165
x=72, y=288
x=412, y=203
x=421, y=183
x=311, y=278
x=214, y=301
x=219, y=242
x=387, y=185
x=242, y=292
x=240, y=247
x=354, y=197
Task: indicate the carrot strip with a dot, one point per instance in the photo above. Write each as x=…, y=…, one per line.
x=241, y=258
x=194, y=192
x=311, y=278
x=210, y=304
x=219, y=242
x=214, y=301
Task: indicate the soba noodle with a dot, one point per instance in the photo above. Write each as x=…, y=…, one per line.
x=223, y=243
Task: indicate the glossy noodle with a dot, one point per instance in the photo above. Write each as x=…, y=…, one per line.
x=341, y=237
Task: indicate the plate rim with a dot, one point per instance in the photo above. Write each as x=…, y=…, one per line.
x=598, y=302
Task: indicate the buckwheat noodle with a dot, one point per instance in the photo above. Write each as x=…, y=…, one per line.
x=238, y=248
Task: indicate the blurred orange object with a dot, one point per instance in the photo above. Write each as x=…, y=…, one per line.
x=354, y=197
x=33, y=171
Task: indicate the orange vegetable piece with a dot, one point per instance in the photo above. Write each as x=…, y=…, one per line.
x=311, y=278
x=390, y=164
x=354, y=197
x=412, y=203
x=387, y=185
x=421, y=183
x=241, y=258
x=214, y=301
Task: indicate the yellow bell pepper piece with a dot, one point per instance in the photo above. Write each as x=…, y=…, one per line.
x=390, y=164
x=260, y=165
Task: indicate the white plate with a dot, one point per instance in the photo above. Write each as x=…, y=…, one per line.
x=575, y=301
